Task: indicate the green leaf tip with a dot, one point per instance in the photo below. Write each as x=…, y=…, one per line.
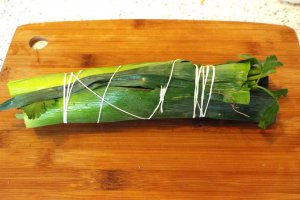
x=279, y=93
x=269, y=65
x=269, y=115
x=245, y=56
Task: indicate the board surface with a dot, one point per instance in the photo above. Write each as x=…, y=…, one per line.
x=166, y=159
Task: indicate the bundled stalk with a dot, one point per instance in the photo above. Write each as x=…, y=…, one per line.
x=143, y=91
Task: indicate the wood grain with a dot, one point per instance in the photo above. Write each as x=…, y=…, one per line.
x=162, y=159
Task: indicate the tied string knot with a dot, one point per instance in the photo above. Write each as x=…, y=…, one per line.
x=203, y=72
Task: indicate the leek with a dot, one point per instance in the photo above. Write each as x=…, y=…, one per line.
x=238, y=93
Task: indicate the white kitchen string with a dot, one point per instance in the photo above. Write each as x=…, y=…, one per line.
x=103, y=97
x=67, y=94
x=163, y=91
x=204, y=71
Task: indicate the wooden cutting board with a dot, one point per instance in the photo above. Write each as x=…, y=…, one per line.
x=168, y=159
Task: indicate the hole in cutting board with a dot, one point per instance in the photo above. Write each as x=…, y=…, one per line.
x=38, y=42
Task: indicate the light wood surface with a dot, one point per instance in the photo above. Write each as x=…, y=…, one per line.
x=166, y=159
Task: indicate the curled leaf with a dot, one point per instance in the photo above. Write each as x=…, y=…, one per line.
x=35, y=110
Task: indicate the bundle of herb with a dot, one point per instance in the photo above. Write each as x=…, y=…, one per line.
x=134, y=91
